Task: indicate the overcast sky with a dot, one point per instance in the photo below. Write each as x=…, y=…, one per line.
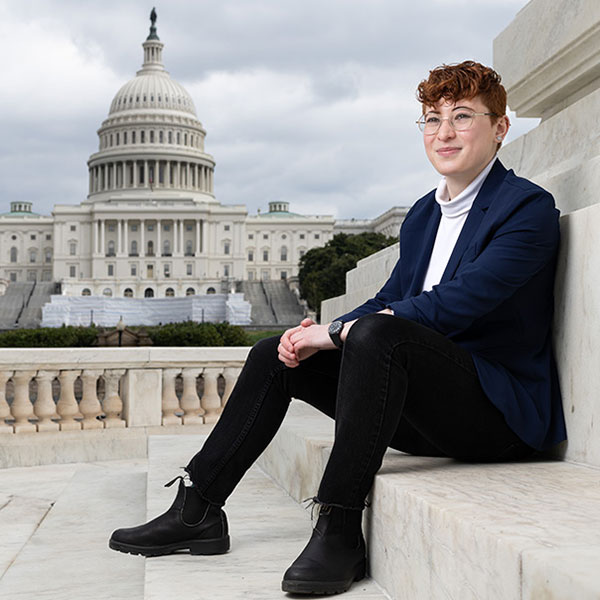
x=307, y=101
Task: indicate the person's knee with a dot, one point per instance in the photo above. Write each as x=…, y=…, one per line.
x=265, y=349
x=369, y=328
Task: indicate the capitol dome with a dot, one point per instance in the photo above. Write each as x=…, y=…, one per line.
x=152, y=87
x=151, y=142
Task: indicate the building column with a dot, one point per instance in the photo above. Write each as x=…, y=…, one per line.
x=102, y=236
x=146, y=180
x=181, y=241
x=210, y=181
x=113, y=176
x=143, y=237
x=167, y=173
x=178, y=174
x=91, y=182
x=203, y=237
x=94, y=237
x=158, y=251
x=198, y=225
x=126, y=236
x=134, y=172
x=187, y=175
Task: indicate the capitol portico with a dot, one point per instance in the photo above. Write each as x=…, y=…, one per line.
x=151, y=225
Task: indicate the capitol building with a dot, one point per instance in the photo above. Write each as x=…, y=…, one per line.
x=151, y=225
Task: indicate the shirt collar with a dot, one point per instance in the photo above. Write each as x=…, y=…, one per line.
x=463, y=202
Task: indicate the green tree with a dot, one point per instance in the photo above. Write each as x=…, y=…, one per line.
x=323, y=270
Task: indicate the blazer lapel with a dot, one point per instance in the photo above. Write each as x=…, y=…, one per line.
x=486, y=194
x=425, y=245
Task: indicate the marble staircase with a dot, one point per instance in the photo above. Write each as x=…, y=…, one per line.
x=440, y=529
x=55, y=522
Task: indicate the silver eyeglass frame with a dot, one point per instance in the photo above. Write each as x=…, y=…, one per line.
x=421, y=123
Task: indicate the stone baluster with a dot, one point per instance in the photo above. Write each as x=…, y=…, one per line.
x=44, y=407
x=4, y=408
x=90, y=405
x=170, y=402
x=22, y=409
x=190, y=401
x=231, y=375
x=113, y=405
x=67, y=406
x=211, y=401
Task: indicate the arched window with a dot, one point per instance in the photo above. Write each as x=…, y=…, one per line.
x=167, y=248
x=107, y=292
x=32, y=255
x=48, y=255
x=86, y=292
x=13, y=255
x=190, y=292
x=150, y=248
x=211, y=290
x=283, y=255
x=134, y=248
x=189, y=248
x=128, y=293
x=111, y=248
x=170, y=292
x=148, y=293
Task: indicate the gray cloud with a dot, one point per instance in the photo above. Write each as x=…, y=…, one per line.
x=311, y=102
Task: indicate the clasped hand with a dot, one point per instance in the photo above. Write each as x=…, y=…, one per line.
x=300, y=342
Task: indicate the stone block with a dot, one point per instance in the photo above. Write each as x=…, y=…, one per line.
x=549, y=56
x=562, y=154
x=576, y=326
x=441, y=529
x=141, y=395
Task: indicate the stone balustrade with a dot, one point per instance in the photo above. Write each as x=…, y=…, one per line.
x=73, y=389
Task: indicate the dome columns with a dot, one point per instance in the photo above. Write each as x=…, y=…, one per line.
x=150, y=173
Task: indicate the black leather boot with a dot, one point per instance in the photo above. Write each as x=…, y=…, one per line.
x=334, y=557
x=190, y=524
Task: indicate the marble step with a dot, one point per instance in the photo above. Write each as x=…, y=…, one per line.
x=268, y=530
x=440, y=529
x=57, y=531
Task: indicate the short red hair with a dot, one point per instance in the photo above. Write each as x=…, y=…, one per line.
x=464, y=80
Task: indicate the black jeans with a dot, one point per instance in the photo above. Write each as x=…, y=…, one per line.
x=395, y=384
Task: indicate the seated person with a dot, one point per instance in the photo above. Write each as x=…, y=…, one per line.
x=453, y=357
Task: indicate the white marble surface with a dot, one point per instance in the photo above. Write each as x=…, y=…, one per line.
x=448, y=530
x=142, y=397
x=553, y=574
x=118, y=358
x=577, y=321
x=268, y=530
x=548, y=53
x=67, y=556
x=49, y=447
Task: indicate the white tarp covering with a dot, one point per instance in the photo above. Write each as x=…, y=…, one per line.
x=105, y=311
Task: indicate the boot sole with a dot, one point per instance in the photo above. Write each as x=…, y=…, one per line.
x=195, y=547
x=323, y=587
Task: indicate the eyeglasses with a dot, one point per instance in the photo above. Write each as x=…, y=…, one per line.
x=460, y=120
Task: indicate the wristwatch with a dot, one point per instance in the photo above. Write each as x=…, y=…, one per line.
x=334, y=330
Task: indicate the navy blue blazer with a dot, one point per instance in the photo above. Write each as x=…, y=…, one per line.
x=495, y=298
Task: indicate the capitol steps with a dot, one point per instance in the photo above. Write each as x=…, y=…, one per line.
x=55, y=526
x=268, y=530
x=440, y=529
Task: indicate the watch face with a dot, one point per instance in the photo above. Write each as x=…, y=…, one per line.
x=336, y=327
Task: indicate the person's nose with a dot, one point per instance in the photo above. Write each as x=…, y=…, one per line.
x=446, y=131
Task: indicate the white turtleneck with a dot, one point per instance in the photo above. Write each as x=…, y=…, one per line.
x=454, y=215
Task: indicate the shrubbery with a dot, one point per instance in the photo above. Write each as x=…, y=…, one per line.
x=171, y=334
